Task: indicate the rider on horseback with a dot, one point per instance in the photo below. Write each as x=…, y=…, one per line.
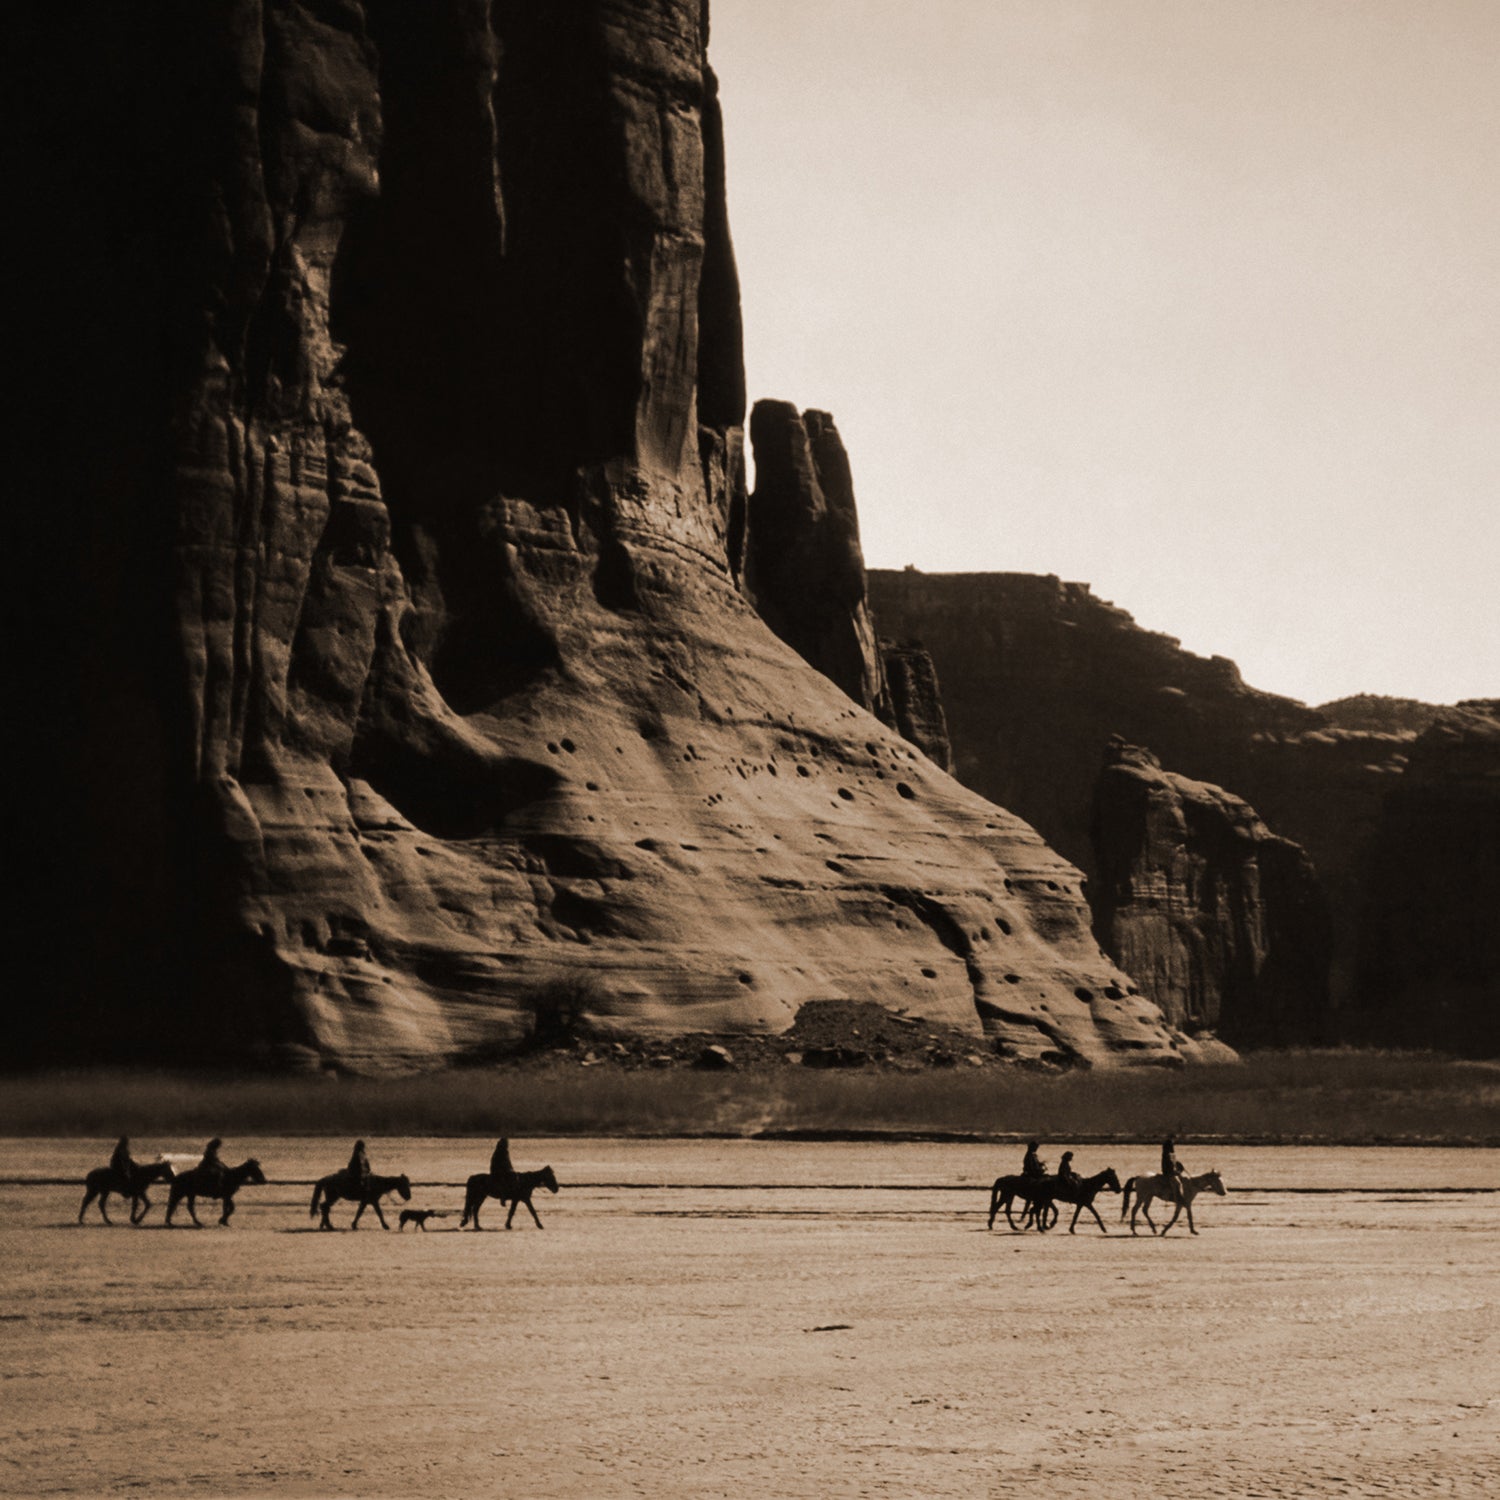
x=211, y=1166
x=121, y=1164
x=1065, y=1172
x=1171, y=1168
x=1033, y=1166
x=500, y=1166
x=358, y=1170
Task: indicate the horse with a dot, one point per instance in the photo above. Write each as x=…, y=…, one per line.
x=206, y=1182
x=515, y=1189
x=1043, y=1193
x=1033, y=1191
x=103, y=1181
x=367, y=1194
x=1178, y=1190
x=1081, y=1194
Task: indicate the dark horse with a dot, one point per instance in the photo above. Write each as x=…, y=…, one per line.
x=1034, y=1192
x=1082, y=1194
x=103, y=1181
x=367, y=1194
x=205, y=1182
x=1042, y=1194
x=515, y=1189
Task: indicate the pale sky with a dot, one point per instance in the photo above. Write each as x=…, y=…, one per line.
x=1196, y=301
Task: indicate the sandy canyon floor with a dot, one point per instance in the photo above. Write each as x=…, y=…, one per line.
x=742, y=1318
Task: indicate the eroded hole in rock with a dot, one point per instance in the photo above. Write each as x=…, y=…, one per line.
x=846, y=794
x=904, y=790
x=1087, y=996
x=569, y=746
x=1013, y=979
x=803, y=771
x=929, y=973
x=1002, y=924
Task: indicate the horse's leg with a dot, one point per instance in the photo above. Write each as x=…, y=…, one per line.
x=139, y=1208
x=1097, y=1219
x=994, y=1206
x=88, y=1197
x=358, y=1214
x=1146, y=1209
x=103, y=1212
x=531, y=1209
x=1073, y=1223
x=515, y=1203
x=228, y=1209
x=1187, y=1203
x=376, y=1206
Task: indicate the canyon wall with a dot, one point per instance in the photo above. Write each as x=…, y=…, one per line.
x=1037, y=676
x=1430, y=959
x=1218, y=919
x=382, y=528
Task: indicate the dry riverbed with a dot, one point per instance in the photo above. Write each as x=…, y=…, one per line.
x=754, y=1318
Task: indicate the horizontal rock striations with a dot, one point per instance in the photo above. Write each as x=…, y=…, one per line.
x=381, y=554
x=1431, y=950
x=1222, y=923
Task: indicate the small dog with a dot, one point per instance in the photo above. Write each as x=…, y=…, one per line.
x=420, y=1216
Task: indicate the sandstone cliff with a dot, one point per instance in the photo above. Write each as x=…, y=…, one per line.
x=804, y=569
x=1431, y=950
x=379, y=561
x=914, y=699
x=1221, y=922
x=1038, y=674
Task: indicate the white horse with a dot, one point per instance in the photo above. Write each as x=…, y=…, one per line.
x=1178, y=1190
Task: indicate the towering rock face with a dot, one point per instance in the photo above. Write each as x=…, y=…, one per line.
x=915, y=699
x=1221, y=923
x=1038, y=675
x=1432, y=942
x=382, y=537
x=804, y=569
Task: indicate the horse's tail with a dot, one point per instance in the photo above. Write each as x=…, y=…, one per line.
x=1125, y=1196
x=312, y=1211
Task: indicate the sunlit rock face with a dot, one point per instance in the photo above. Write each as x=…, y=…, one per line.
x=388, y=553
x=1037, y=674
x=1432, y=941
x=1221, y=922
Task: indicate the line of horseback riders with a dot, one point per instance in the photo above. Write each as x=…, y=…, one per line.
x=357, y=1182
x=1041, y=1191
